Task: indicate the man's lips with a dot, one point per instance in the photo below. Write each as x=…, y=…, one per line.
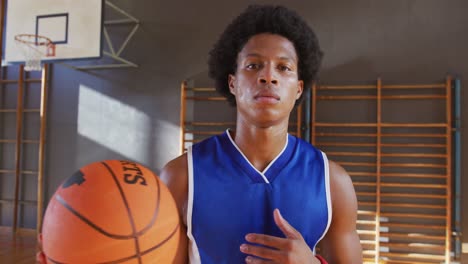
x=267, y=96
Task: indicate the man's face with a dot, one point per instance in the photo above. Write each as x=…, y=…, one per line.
x=266, y=84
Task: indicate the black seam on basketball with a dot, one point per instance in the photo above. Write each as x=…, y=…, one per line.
x=61, y=201
x=146, y=251
x=88, y=222
x=129, y=257
x=156, y=210
x=162, y=242
x=102, y=231
x=129, y=212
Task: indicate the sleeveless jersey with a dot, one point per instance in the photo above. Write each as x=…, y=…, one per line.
x=229, y=198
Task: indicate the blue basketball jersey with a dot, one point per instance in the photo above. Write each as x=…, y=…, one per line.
x=229, y=198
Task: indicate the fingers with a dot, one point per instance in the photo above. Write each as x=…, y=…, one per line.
x=288, y=230
x=40, y=258
x=259, y=251
x=253, y=260
x=271, y=249
x=266, y=240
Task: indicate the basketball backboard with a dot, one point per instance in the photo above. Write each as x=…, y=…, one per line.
x=73, y=26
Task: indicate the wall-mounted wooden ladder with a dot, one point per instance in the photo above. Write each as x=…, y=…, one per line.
x=22, y=148
x=395, y=142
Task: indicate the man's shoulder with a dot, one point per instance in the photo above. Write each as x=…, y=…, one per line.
x=177, y=162
x=175, y=168
x=337, y=171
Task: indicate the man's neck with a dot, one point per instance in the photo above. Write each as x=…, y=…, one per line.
x=260, y=145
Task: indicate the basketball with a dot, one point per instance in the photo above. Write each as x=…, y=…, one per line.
x=111, y=212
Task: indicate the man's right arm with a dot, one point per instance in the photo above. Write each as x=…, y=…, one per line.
x=175, y=176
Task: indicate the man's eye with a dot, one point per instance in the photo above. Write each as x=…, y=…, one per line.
x=284, y=68
x=252, y=66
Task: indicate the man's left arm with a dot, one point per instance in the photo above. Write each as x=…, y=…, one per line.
x=341, y=244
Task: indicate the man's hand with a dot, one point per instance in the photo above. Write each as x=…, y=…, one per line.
x=290, y=250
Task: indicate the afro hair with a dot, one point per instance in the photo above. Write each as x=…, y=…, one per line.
x=257, y=19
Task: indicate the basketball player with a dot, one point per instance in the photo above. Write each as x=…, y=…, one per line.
x=257, y=194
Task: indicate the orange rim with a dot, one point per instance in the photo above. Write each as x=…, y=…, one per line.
x=40, y=40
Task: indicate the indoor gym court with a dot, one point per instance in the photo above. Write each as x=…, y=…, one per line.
x=119, y=79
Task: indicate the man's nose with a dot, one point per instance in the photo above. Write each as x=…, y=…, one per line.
x=267, y=75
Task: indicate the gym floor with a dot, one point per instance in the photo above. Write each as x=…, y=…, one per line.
x=19, y=248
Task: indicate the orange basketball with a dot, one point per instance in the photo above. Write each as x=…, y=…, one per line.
x=111, y=212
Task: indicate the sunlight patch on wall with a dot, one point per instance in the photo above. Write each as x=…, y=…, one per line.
x=116, y=126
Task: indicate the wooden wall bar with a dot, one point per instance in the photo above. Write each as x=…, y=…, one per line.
x=21, y=141
x=400, y=163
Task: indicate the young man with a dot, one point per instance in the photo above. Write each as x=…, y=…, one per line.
x=257, y=194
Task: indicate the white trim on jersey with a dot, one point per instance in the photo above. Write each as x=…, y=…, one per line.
x=327, y=190
x=194, y=254
x=279, y=155
x=248, y=161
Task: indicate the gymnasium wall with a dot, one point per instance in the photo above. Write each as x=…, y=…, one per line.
x=134, y=113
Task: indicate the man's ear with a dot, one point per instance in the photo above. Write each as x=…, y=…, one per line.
x=231, y=80
x=300, y=88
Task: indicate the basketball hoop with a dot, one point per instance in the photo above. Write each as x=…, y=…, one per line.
x=34, y=47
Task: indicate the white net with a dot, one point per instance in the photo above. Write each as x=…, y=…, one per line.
x=33, y=48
